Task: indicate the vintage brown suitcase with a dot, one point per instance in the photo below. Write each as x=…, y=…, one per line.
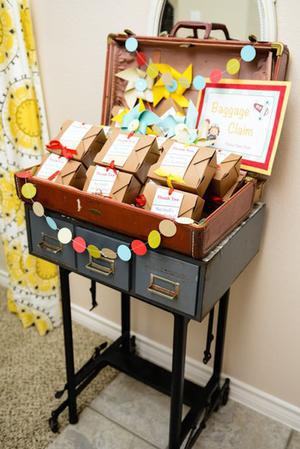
x=195, y=240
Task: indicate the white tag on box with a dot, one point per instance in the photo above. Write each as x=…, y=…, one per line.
x=102, y=181
x=73, y=135
x=52, y=164
x=120, y=149
x=178, y=158
x=221, y=155
x=165, y=204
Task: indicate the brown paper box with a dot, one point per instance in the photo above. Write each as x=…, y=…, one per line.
x=191, y=206
x=226, y=175
x=73, y=173
x=236, y=186
x=89, y=146
x=125, y=188
x=198, y=174
x=144, y=154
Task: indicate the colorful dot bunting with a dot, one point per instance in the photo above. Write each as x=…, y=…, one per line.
x=138, y=247
x=167, y=228
x=94, y=251
x=215, y=75
x=51, y=223
x=108, y=253
x=154, y=239
x=38, y=209
x=124, y=253
x=79, y=244
x=28, y=190
x=233, y=66
x=248, y=53
x=131, y=44
x=64, y=235
x=199, y=82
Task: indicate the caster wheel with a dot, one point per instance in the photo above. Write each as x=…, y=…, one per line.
x=53, y=423
x=225, y=393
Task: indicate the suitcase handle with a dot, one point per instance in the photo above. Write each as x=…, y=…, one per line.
x=195, y=26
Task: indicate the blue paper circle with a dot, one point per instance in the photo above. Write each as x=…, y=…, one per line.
x=124, y=253
x=172, y=87
x=131, y=44
x=51, y=223
x=199, y=82
x=141, y=84
x=248, y=53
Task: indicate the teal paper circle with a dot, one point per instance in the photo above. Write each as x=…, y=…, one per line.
x=131, y=44
x=199, y=82
x=172, y=87
x=51, y=223
x=124, y=253
x=141, y=84
x=248, y=53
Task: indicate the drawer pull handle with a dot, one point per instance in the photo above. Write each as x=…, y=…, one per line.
x=169, y=293
x=104, y=266
x=50, y=244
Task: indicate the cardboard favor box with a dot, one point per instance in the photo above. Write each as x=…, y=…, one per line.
x=172, y=205
x=132, y=154
x=120, y=186
x=62, y=170
x=86, y=140
x=189, y=163
x=227, y=173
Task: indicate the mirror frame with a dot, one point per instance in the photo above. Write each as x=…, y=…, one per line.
x=266, y=10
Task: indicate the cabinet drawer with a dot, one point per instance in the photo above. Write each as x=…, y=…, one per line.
x=112, y=272
x=44, y=243
x=167, y=281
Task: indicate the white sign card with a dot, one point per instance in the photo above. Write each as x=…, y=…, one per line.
x=102, y=181
x=120, y=149
x=52, y=164
x=73, y=135
x=165, y=204
x=178, y=158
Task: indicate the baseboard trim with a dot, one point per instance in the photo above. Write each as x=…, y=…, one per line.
x=251, y=397
x=3, y=278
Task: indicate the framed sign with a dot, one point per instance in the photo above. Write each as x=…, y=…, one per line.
x=245, y=117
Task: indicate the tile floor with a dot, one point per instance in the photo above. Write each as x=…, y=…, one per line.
x=130, y=415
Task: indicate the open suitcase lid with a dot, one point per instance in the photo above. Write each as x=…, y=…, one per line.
x=205, y=55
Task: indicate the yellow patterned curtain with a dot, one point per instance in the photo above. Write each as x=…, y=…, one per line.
x=33, y=283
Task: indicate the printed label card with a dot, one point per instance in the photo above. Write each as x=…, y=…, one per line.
x=54, y=163
x=120, y=149
x=178, y=158
x=245, y=117
x=73, y=135
x=102, y=181
x=165, y=204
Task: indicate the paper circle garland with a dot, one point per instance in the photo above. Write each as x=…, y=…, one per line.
x=154, y=239
x=79, y=244
x=64, y=235
x=248, y=53
x=233, y=66
x=124, y=253
x=172, y=87
x=51, y=223
x=28, y=190
x=108, y=253
x=38, y=209
x=138, y=247
x=199, y=82
x=215, y=75
x=94, y=251
x=131, y=44
x=184, y=220
x=167, y=228
x=141, y=84
x=184, y=82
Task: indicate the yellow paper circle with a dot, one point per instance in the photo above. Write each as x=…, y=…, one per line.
x=233, y=66
x=64, y=235
x=28, y=190
x=152, y=71
x=108, y=253
x=167, y=228
x=94, y=251
x=154, y=239
x=38, y=209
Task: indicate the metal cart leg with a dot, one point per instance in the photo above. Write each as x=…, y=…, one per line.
x=68, y=337
x=220, y=340
x=128, y=342
x=177, y=385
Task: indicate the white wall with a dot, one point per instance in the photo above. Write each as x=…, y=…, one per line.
x=262, y=346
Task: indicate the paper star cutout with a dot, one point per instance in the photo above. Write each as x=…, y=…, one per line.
x=160, y=90
x=131, y=93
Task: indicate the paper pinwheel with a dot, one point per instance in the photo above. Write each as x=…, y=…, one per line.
x=139, y=86
x=172, y=84
x=139, y=119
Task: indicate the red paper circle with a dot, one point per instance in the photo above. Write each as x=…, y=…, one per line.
x=79, y=244
x=215, y=75
x=24, y=174
x=138, y=247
